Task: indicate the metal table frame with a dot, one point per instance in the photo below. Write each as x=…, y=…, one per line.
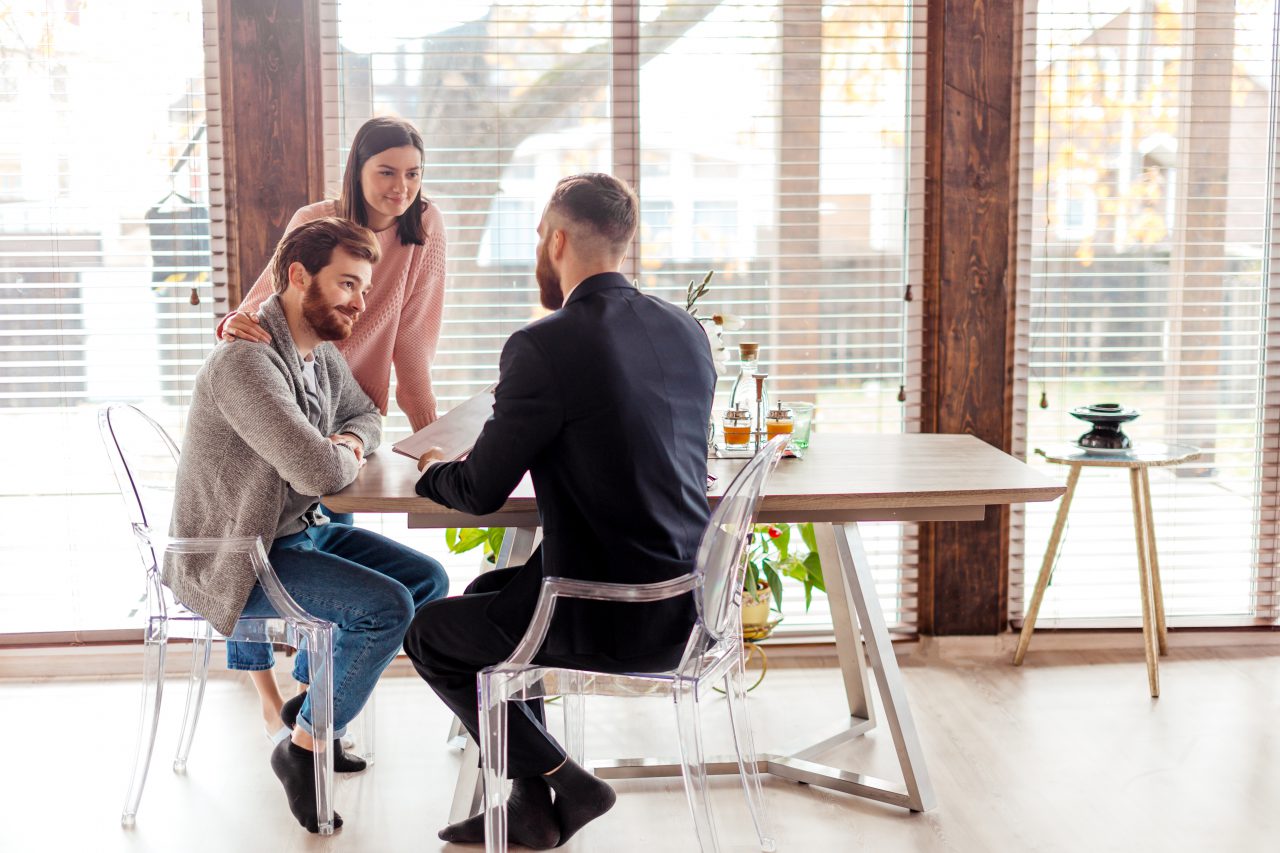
x=841, y=484
x=850, y=591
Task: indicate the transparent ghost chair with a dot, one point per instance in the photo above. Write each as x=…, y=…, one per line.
x=714, y=654
x=145, y=461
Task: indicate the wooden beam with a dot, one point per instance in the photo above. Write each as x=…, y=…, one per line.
x=968, y=362
x=269, y=65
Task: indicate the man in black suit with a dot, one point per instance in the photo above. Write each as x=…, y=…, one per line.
x=605, y=402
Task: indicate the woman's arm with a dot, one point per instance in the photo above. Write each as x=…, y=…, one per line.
x=264, y=286
x=418, y=330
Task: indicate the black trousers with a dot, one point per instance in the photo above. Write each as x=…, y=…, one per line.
x=452, y=639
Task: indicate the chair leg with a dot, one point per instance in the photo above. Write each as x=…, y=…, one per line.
x=693, y=766
x=368, y=727
x=148, y=721
x=493, y=761
x=748, y=763
x=574, y=717
x=319, y=641
x=200, y=647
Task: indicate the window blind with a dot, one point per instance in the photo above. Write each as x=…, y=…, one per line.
x=778, y=143
x=105, y=289
x=1146, y=249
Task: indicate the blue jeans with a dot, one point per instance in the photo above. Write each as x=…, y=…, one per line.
x=368, y=586
x=252, y=657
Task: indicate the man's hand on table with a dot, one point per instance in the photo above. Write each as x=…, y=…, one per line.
x=350, y=441
x=431, y=457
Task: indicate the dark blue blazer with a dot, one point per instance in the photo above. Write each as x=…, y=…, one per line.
x=606, y=402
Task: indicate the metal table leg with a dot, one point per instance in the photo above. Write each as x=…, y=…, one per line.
x=859, y=594
x=852, y=593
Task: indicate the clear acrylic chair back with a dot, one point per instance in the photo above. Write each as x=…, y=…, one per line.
x=722, y=552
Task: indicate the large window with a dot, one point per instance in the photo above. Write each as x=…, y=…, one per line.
x=104, y=283
x=776, y=142
x=1147, y=246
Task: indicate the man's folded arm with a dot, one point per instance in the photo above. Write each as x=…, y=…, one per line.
x=527, y=416
x=254, y=397
x=356, y=413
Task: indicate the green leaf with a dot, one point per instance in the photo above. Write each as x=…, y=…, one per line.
x=466, y=539
x=809, y=537
x=783, y=542
x=493, y=540
x=775, y=585
x=813, y=566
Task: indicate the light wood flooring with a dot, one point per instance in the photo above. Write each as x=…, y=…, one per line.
x=1067, y=753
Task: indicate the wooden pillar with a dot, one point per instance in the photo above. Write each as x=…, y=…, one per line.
x=269, y=70
x=968, y=299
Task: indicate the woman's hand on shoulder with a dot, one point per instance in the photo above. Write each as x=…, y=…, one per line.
x=245, y=327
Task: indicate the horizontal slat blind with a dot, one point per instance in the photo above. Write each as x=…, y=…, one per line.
x=779, y=143
x=104, y=244
x=1146, y=229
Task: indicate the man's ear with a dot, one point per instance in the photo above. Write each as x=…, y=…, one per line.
x=559, y=240
x=298, y=275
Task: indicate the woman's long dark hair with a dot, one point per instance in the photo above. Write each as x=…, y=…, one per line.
x=375, y=136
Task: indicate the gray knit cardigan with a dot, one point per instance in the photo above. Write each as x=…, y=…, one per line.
x=247, y=437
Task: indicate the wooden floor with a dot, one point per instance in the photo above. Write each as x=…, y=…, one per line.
x=1065, y=754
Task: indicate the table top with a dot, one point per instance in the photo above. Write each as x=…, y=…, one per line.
x=1144, y=454
x=908, y=477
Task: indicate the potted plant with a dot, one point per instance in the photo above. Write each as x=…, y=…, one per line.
x=770, y=557
x=462, y=539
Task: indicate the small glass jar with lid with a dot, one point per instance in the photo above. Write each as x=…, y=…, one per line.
x=779, y=421
x=737, y=427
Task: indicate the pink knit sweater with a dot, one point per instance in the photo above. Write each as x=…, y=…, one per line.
x=401, y=322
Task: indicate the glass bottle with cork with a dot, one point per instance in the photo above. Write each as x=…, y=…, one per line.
x=742, y=394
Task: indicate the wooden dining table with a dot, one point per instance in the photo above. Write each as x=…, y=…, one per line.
x=842, y=482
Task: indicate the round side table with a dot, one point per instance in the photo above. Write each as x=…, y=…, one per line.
x=1137, y=459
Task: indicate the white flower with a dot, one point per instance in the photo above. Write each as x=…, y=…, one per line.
x=715, y=339
x=728, y=322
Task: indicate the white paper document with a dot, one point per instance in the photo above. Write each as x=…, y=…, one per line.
x=455, y=432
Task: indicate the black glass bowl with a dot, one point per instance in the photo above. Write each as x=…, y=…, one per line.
x=1106, y=419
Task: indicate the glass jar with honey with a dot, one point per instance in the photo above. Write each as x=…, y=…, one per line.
x=779, y=421
x=737, y=427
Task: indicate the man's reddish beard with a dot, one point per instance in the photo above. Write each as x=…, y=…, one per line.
x=548, y=281
x=324, y=318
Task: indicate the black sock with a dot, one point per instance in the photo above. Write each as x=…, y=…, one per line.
x=580, y=797
x=289, y=710
x=343, y=761
x=531, y=819
x=294, y=767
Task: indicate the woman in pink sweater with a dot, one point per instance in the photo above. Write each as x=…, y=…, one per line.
x=381, y=190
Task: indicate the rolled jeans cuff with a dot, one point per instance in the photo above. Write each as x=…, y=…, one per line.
x=305, y=724
x=250, y=656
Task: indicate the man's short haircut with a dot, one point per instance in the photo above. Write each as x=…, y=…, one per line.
x=312, y=243
x=605, y=209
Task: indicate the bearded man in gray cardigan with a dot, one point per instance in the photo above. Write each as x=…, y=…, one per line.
x=274, y=426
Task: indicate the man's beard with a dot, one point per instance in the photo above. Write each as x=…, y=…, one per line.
x=324, y=319
x=548, y=282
